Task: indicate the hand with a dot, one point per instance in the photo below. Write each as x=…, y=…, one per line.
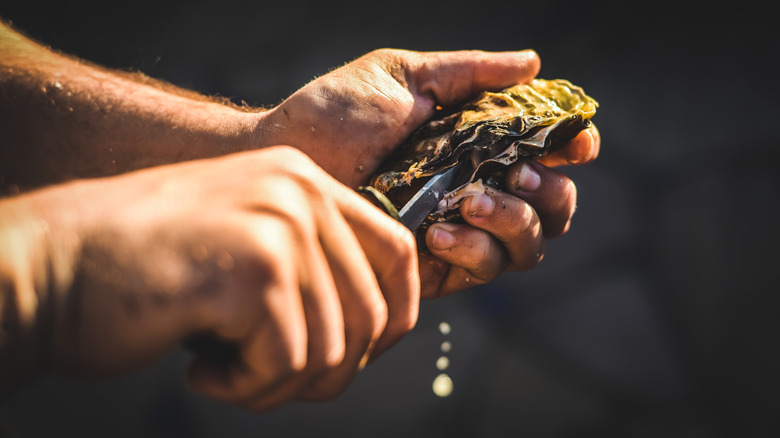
x=263, y=250
x=505, y=229
x=350, y=119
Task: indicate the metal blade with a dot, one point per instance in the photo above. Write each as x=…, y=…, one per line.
x=427, y=199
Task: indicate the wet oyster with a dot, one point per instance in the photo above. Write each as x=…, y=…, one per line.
x=485, y=135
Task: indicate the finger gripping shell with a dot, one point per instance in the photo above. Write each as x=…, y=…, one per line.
x=487, y=134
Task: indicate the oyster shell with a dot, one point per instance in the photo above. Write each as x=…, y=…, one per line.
x=487, y=134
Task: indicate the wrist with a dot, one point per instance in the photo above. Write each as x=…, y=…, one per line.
x=24, y=293
x=264, y=128
x=36, y=271
x=243, y=129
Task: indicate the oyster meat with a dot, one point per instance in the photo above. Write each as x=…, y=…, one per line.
x=485, y=135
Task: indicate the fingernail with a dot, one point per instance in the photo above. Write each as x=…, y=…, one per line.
x=528, y=180
x=480, y=205
x=579, y=148
x=442, y=239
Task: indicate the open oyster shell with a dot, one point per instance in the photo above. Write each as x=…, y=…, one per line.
x=496, y=129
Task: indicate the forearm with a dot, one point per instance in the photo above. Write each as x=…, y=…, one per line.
x=62, y=118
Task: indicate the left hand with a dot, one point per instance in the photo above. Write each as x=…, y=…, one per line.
x=350, y=119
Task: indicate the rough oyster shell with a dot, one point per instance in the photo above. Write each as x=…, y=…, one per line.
x=496, y=129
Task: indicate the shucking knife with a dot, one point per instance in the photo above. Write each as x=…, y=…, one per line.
x=427, y=199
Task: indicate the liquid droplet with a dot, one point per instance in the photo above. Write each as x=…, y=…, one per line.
x=444, y=328
x=442, y=385
x=446, y=347
x=442, y=363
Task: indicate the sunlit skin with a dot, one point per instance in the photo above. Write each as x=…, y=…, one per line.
x=184, y=215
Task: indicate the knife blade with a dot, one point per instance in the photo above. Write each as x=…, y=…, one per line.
x=427, y=198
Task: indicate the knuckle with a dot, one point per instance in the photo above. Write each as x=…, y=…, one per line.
x=262, y=264
x=378, y=317
x=278, y=362
x=394, y=62
x=526, y=222
x=405, y=240
x=490, y=264
x=558, y=220
x=404, y=323
x=406, y=250
x=298, y=166
x=336, y=354
x=569, y=190
x=485, y=256
x=379, y=53
x=325, y=362
x=571, y=198
x=368, y=323
x=384, y=53
x=293, y=364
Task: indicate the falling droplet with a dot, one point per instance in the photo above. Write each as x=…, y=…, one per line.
x=442, y=385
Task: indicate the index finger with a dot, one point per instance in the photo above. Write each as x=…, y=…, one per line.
x=391, y=250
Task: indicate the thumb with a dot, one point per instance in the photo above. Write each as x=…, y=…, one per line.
x=450, y=77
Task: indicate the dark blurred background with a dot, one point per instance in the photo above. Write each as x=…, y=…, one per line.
x=655, y=316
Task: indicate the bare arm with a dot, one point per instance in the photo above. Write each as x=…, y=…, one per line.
x=262, y=250
x=63, y=118
x=105, y=274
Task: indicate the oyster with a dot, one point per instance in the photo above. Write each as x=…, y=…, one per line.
x=485, y=135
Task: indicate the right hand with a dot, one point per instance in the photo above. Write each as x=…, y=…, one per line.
x=263, y=250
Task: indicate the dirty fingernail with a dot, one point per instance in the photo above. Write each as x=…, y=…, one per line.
x=528, y=180
x=480, y=205
x=442, y=238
